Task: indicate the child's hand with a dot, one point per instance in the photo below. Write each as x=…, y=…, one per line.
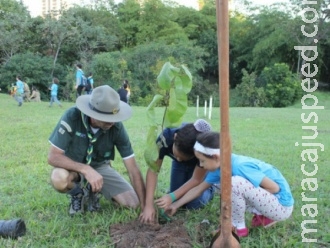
x=148, y=215
x=171, y=210
x=164, y=201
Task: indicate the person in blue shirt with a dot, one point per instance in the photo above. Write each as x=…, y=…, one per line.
x=19, y=91
x=177, y=143
x=79, y=74
x=53, y=93
x=257, y=187
x=90, y=84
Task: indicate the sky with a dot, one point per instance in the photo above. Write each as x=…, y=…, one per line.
x=33, y=5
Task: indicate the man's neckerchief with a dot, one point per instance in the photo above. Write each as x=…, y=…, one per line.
x=91, y=137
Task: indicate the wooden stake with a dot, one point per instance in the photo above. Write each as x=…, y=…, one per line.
x=225, y=240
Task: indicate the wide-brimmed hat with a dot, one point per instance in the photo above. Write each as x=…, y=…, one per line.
x=104, y=105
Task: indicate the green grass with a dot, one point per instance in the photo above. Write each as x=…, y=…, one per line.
x=267, y=134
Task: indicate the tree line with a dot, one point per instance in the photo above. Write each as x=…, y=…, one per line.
x=132, y=41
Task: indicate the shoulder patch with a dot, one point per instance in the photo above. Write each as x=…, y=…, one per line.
x=61, y=130
x=66, y=125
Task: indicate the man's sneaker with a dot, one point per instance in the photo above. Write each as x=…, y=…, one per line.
x=260, y=220
x=77, y=201
x=79, y=196
x=93, y=199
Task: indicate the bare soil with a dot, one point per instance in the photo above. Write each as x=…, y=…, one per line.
x=134, y=234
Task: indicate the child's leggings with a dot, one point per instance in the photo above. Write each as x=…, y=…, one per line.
x=246, y=197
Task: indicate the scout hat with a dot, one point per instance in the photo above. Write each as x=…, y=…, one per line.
x=104, y=105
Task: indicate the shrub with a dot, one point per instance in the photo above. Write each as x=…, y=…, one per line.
x=281, y=86
x=248, y=94
x=277, y=86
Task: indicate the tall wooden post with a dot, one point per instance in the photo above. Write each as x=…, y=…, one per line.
x=225, y=240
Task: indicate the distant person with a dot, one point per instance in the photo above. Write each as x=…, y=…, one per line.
x=35, y=96
x=123, y=93
x=79, y=75
x=82, y=152
x=53, y=93
x=19, y=91
x=90, y=84
x=27, y=92
x=13, y=90
x=128, y=90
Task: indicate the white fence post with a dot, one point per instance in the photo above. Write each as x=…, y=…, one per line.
x=197, y=106
x=205, y=108
x=210, y=108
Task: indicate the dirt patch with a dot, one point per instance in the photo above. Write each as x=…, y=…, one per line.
x=134, y=234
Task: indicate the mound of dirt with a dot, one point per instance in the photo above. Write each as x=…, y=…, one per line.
x=135, y=234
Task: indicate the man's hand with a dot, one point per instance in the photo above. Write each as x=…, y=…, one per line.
x=164, y=202
x=148, y=215
x=93, y=177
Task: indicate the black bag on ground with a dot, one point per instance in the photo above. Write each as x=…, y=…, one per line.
x=12, y=228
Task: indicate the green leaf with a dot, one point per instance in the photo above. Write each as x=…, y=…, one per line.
x=169, y=124
x=177, y=106
x=186, y=80
x=151, y=109
x=151, y=150
x=166, y=75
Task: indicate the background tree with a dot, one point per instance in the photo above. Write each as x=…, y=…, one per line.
x=321, y=28
x=271, y=43
x=131, y=41
x=55, y=33
x=14, y=22
x=88, y=37
x=128, y=15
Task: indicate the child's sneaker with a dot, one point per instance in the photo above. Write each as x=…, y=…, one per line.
x=244, y=232
x=260, y=220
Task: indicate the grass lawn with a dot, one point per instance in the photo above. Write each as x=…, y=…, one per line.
x=273, y=135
